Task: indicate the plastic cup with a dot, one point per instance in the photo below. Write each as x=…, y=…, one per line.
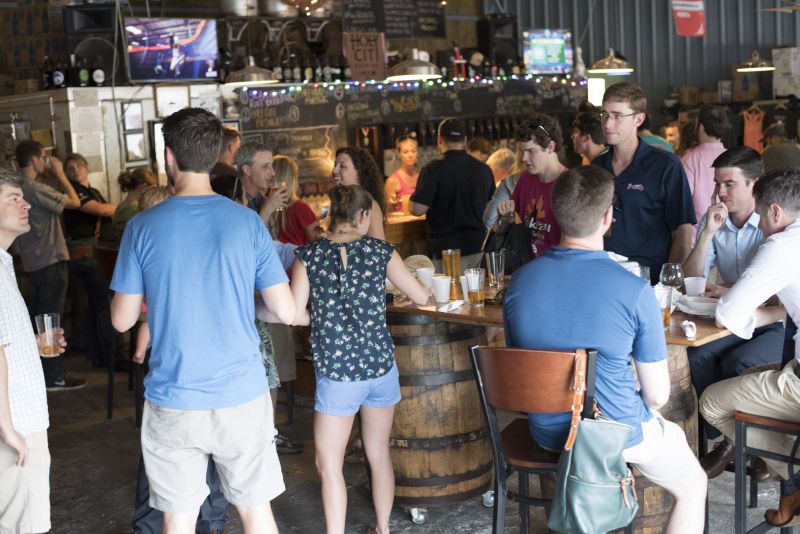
x=464, y=290
x=441, y=288
x=695, y=285
x=495, y=268
x=475, y=280
x=46, y=324
x=425, y=276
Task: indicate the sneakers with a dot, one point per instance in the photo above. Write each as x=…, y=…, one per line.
x=67, y=382
x=284, y=446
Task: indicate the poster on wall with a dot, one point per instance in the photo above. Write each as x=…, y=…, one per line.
x=690, y=18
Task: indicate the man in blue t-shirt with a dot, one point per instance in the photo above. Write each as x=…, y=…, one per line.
x=653, y=210
x=198, y=257
x=574, y=296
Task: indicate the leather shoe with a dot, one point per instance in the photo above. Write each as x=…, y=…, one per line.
x=759, y=470
x=788, y=507
x=715, y=461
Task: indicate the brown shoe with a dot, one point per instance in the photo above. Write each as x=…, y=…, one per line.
x=715, y=461
x=788, y=507
x=759, y=470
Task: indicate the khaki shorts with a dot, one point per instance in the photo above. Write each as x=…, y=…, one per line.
x=663, y=455
x=176, y=445
x=25, y=491
x=283, y=348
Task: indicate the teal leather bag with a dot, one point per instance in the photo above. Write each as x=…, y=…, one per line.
x=595, y=490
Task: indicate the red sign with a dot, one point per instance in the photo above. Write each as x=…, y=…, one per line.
x=690, y=17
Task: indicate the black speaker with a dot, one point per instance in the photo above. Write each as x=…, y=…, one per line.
x=498, y=38
x=89, y=31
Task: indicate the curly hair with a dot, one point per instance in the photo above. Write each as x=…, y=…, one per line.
x=541, y=129
x=369, y=177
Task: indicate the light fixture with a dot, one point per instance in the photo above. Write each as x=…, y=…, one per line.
x=413, y=69
x=250, y=75
x=611, y=65
x=755, y=64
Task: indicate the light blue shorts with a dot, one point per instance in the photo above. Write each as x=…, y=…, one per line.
x=345, y=398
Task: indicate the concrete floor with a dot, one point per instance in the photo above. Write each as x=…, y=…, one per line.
x=94, y=462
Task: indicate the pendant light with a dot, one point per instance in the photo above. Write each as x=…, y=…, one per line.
x=755, y=64
x=611, y=65
x=250, y=75
x=413, y=69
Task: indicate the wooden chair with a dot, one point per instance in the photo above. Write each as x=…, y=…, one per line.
x=743, y=422
x=529, y=381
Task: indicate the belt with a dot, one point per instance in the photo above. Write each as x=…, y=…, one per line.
x=797, y=369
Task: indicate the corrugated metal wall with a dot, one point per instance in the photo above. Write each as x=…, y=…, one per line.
x=644, y=31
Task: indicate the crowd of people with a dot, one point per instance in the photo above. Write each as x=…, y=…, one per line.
x=204, y=270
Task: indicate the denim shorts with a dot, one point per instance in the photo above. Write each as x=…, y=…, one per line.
x=345, y=398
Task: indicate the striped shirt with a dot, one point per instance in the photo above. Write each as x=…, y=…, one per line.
x=26, y=391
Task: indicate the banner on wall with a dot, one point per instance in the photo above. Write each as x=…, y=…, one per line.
x=690, y=18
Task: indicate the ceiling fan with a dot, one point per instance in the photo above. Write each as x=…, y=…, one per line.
x=790, y=7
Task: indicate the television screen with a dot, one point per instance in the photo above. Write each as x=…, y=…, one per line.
x=171, y=49
x=547, y=51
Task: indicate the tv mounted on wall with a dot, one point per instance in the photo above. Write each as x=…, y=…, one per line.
x=163, y=50
x=547, y=51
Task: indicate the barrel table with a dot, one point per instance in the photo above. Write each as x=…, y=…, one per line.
x=654, y=502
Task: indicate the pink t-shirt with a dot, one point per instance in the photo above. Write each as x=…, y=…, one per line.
x=532, y=204
x=697, y=164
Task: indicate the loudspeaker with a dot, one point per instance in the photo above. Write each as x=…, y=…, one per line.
x=89, y=31
x=498, y=38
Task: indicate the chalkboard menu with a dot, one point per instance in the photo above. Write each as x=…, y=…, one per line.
x=396, y=18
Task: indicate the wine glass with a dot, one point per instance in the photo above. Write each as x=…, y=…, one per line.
x=672, y=276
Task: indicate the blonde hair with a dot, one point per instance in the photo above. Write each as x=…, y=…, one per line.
x=152, y=196
x=286, y=171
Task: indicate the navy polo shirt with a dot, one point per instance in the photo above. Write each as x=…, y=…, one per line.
x=653, y=200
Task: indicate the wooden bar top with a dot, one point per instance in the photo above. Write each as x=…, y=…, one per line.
x=492, y=315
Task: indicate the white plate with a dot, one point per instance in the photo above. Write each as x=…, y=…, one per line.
x=698, y=306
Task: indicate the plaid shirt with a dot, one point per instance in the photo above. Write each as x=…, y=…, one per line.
x=26, y=391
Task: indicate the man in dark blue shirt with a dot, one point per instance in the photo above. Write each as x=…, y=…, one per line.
x=653, y=212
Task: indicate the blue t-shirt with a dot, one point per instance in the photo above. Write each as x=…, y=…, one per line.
x=198, y=261
x=579, y=299
x=653, y=200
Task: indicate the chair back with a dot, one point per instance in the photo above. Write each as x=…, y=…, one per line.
x=533, y=381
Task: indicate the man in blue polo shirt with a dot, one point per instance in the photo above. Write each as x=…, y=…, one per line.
x=653, y=213
x=728, y=238
x=579, y=298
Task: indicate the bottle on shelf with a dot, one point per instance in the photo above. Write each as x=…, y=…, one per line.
x=347, y=72
x=327, y=73
x=336, y=70
x=98, y=73
x=308, y=69
x=287, y=71
x=277, y=70
x=317, y=70
x=59, y=77
x=83, y=72
x=46, y=73
x=297, y=70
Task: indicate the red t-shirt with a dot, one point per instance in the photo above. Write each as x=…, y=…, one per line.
x=532, y=204
x=298, y=216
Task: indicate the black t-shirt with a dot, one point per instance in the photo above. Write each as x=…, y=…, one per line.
x=80, y=225
x=221, y=170
x=653, y=200
x=456, y=189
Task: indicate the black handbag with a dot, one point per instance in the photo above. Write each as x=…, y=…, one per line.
x=513, y=240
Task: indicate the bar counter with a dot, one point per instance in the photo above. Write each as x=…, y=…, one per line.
x=407, y=233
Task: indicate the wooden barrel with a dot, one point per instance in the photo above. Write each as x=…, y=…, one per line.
x=655, y=502
x=439, y=444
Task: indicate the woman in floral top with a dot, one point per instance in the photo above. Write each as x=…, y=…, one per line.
x=344, y=274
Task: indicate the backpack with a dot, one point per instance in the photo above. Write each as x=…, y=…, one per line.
x=512, y=238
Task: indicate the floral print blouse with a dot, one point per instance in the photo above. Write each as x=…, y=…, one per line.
x=349, y=337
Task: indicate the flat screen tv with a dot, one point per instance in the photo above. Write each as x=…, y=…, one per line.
x=162, y=50
x=547, y=51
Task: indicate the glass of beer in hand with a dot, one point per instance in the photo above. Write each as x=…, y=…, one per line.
x=48, y=326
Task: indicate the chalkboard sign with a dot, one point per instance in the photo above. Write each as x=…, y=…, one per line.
x=397, y=18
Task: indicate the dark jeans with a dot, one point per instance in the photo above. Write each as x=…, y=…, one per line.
x=99, y=335
x=730, y=356
x=47, y=292
x=147, y=520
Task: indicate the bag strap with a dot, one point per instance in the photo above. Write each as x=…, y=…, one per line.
x=583, y=379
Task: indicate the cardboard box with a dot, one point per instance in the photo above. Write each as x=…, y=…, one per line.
x=786, y=76
x=745, y=86
x=689, y=95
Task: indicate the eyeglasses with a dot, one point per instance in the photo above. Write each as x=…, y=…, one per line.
x=407, y=136
x=615, y=116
